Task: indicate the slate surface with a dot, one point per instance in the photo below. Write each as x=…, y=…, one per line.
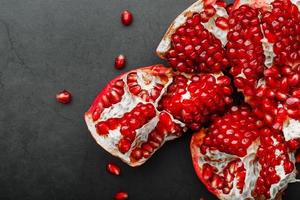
x=46, y=151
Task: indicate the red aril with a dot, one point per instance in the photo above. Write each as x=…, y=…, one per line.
x=120, y=62
x=64, y=97
x=113, y=169
x=121, y=196
x=126, y=17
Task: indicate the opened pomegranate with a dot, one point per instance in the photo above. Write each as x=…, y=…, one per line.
x=124, y=119
x=194, y=42
x=238, y=157
x=193, y=99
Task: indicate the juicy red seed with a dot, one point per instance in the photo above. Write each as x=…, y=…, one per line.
x=64, y=97
x=121, y=196
x=113, y=169
x=137, y=154
x=222, y=23
x=126, y=17
x=102, y=128
x=120, y=62
x=124, y=145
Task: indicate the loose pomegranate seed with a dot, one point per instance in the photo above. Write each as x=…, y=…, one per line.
x=64, y=97
x=120, y=62
x=126, y=17
x=113, y=169
x=121, y=196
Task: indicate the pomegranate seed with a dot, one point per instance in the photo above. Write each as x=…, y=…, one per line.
x=121, y=196
x=124, y=145
x=120, y=62
x=64, y=97
x=113, y=169
x=126, y=17
x=222, y=23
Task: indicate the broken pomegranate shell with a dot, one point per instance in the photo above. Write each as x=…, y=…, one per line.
x=195, y=40
x=124, y=119
x=238, y=157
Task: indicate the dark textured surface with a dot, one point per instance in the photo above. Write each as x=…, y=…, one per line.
x=46, y=151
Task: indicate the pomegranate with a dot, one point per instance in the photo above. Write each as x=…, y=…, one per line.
x=193, y=99
x=64, y=97
x=238, y=157
x=126, y=17
x=124, y=118
x=195, y=40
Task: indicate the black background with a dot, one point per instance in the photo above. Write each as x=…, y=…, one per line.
x=46, y=151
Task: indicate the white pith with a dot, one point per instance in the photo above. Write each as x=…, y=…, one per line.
x=291, y=129
x=127, y=103
x=197, y=7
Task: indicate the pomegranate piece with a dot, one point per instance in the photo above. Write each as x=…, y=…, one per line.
x=238, y=157
x=126, y=17
x=264, y=51
x=113, y=169
x=193, y=99
x=121, y=196
x=244, y=48
x=195, y=40
x=120, y=62
x=64, y=97
x=124, y=118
